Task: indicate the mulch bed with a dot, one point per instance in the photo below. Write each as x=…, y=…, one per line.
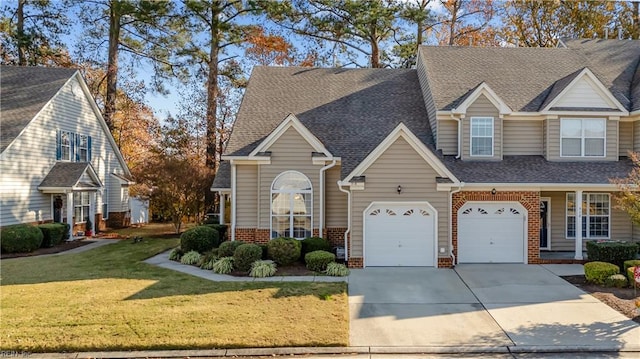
x=64, y=246
x=620, y=299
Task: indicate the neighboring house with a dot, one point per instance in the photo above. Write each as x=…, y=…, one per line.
x=139, y=210
x=58, y=161
x=476, y=156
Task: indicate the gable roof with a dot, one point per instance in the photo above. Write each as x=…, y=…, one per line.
x=291, y=121
x=24, y=91
x=349, y=110
x=69, y=175
x=525, y=77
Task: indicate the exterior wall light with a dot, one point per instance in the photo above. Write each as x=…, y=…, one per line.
x=399, y=189
x=493, y=191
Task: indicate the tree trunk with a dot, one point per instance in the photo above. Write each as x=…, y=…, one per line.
x=112, y=65
x=635, y=35
x=22, y=59
x=212, y=102
x=375, y=47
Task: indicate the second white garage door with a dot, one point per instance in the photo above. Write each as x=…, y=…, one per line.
x=399, y=234
x=491, y=232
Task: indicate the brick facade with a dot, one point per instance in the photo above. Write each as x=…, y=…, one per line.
x=355, y=262
x=335, y=236
x=261, y=235
x=445, y=262
x=530, y=200
x=118, y=220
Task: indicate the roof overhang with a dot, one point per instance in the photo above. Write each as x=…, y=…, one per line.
x=531, y=186
x=122, y=179
x=70, y=184
x=482, y=89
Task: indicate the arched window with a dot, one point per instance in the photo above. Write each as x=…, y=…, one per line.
x=291, y=205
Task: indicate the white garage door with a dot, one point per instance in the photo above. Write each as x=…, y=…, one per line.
x=491, y=232
x=399, y=235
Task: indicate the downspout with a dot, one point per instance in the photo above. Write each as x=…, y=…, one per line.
x=453, y=256
x=322, y=199
x=346, y=233
x=233, y=201
x=459, y=121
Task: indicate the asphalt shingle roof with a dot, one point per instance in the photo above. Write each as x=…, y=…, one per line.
x=350, y=110
x=23, y=93
x=223, y=176
x=66, y=174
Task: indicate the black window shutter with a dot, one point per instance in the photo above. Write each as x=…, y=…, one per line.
x=58, y=145
x=88, y=148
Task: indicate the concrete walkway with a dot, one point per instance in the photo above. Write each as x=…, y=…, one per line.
x=495, y=305
x=95, y=243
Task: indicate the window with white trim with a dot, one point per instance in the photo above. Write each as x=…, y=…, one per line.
x=73, y=147
x=65, y=145
x=291, y=206
x=83, y=148
x=582, y=137
x=105, y=203
x=481, y=136
x=596, y=211
x=81, y=203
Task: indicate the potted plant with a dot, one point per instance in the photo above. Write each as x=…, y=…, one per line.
x=87, y=227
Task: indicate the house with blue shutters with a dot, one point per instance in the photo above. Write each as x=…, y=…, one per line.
x=58, y=160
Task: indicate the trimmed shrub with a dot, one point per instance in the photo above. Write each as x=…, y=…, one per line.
x=222, y=231
x=611, y=252
x=52, y=234
x=630, y=277
x=207, y=259
x=20, y=238
x=265, y=251
x=228, y=248
x=67, y=230
x=313, y=244
x=631, y=263
x=337, y=270
x=317, y=261
x=191, y=257
x=200, y=239
x=616, y=280
x=284, y=251
x=223, y=265
x=598, y=272
x=262, y=269
x=245, y=255
x=176, y=254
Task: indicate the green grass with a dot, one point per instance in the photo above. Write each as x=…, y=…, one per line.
x=107, y=299
x=151, y=230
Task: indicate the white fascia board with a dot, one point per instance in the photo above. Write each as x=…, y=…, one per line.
x=599, y=87
x=92, y=173
x=324, y=160
x=586, y=113
x=483, y=89
x=402, y=131
x=535, y=186
x=221, y=190
x=248, y=160
x=291, y=121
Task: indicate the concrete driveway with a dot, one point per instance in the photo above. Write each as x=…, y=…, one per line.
x=488, y=305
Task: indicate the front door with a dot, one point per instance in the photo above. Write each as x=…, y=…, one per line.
x=57, y=209
x=544, y=223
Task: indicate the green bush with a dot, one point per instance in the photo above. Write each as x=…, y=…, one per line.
x=313, y=244
x=222, y=231
x=616, y=280
x=598, y=272
x=176, y=254
x=200, y=239
x=631, y=278
x=317, y=261
x=227, y=248
x=223, y=265
x=20, y=238
x=265, y=251
x=631, y=263
x=262, y=269
x=52, y=234
x=245, y=255
x=337, y=270
x=207, y=259
x=611, y=252
x=191, y=257
x=67, y=231
x=284, y=251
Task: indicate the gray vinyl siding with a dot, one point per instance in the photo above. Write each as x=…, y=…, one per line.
x=291, y=152
x=118, y=196
x=621, y=227
x=335, y=201
x=448, y=137
x=625, y=137
x=247, y=196
x=553, y=141
x=636, y=136
x=545, y=136
x=426, y=95
x=482, y=107
x=523, y=137
x=399, y=165
x=26, y=162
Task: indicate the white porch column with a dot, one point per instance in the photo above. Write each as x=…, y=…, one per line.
x=92, y=211
x=223, y=200
x=578, y=208
x=70, y=208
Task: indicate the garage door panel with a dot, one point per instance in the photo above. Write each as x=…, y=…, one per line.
x=399, y=235
x=491, y=233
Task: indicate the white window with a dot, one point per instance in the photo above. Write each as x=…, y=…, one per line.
x=291, y=206
x=582, y=137
x=65, y=145
x=596, y=210
x=105, y=204
x=81, y=205
x=83, y=148
x=481, y=136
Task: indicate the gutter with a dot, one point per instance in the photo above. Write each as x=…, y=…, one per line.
x=459, y=135
x=233, y=201
x=346, y=233
x=322, y=199
x=453, y=256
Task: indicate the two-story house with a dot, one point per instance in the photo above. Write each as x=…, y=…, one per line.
x=478, y=155
x=58, y=160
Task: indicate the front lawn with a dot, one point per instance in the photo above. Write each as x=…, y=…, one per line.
x=107, y=299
